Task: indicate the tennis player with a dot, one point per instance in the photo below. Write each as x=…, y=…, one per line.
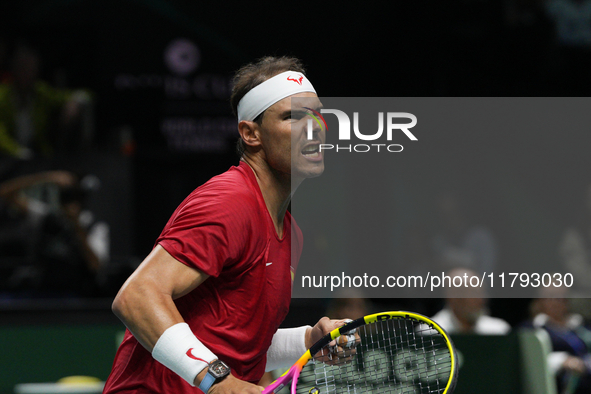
x=203, y=309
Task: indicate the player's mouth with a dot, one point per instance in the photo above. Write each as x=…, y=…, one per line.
x=312, y=152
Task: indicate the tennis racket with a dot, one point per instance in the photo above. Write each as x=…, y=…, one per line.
x=388, y=352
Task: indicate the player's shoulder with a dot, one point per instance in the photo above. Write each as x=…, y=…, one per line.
x=231, y=191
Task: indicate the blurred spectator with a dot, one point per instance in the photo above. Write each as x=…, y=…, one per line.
x=354, y=306
x=64, y=248
x=575, y=249
x=571, y=59
x=459, y=242
x=32, y=113
x=570, y=360
x=465, y=310
x=414, y=257
x=573, y=21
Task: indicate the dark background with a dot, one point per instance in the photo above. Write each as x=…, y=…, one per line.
x=423, y=48
x=115, y=50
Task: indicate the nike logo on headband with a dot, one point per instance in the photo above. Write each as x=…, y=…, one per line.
x=271, y=91
x=298, y=81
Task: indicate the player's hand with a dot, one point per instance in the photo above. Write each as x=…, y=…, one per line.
x=323, y=327
x=338, y=351
x=232, y=385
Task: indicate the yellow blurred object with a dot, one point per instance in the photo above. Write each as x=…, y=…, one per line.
x=79, y=379
x=67, y=385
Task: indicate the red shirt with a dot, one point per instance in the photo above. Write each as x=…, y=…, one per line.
x=222, y=228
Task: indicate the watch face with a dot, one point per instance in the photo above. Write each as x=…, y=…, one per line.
x=219, y=369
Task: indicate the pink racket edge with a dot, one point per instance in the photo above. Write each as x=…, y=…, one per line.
x=291, y=376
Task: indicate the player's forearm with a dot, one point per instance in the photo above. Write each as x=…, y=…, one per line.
x=155, y=322
x=146, y=305
x=146, y=312
x=145, y=302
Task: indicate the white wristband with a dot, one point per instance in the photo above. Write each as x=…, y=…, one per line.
x=287, y=346
x=179, y=350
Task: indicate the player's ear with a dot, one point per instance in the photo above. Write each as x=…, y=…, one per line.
x=249, y=132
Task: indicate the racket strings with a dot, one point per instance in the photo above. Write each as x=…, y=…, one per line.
x=391, y=356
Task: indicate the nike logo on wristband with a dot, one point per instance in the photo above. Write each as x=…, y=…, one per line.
x=195, y=358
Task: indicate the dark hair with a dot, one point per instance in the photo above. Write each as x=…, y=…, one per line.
x=253, y=74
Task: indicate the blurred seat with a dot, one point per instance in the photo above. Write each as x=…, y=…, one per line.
x=535, y=347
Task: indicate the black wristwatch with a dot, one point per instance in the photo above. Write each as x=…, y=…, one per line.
x=217, y=370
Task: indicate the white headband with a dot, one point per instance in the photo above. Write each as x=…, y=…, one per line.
x=269, y=92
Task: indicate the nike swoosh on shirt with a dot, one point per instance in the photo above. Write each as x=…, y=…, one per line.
x=268, y=264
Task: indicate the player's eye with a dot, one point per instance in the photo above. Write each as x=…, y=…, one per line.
x=295, y=115
x=300, y=115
